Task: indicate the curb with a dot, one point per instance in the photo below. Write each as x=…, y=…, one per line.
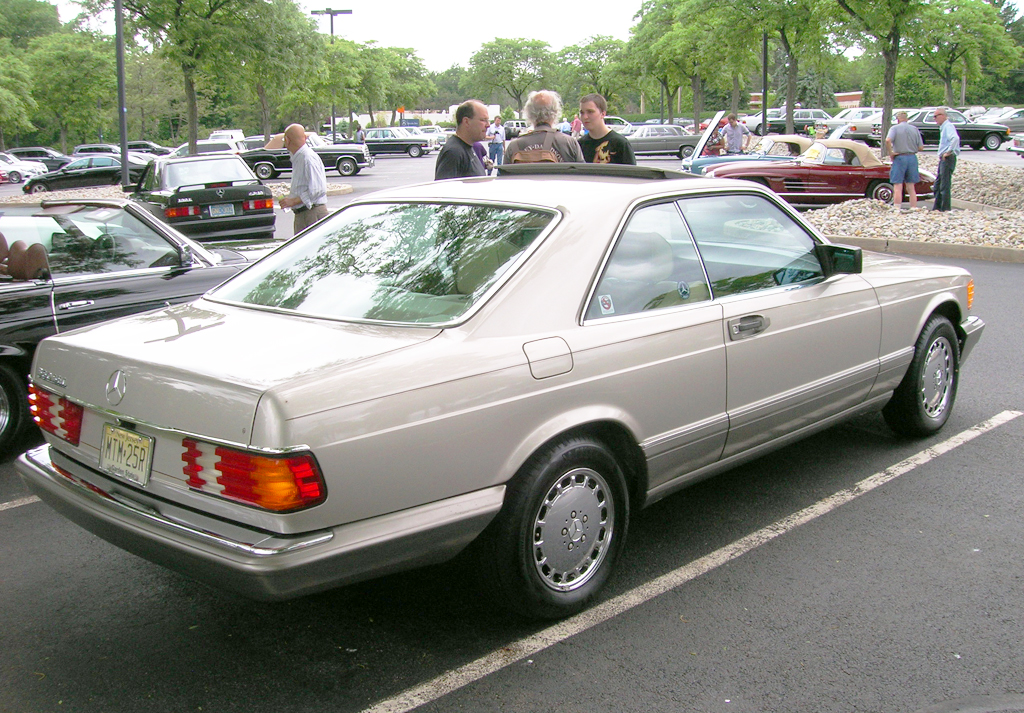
x=950, y=250
x=339, y=189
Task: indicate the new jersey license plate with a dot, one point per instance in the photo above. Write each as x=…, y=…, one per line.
x=126, y=454
x=222, y=210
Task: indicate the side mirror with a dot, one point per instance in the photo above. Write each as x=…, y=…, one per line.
x=186, y=256
x=840, y=259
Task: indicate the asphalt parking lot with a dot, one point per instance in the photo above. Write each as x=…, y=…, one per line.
x=854, y=571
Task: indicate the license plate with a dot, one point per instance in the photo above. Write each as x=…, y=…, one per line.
x=222, y=210
x=126, y=454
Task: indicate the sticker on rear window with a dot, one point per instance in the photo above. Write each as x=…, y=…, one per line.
x=606, y=304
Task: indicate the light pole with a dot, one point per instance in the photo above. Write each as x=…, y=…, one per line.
x=332, y=13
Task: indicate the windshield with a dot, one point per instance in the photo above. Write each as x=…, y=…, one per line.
x=198, y=173
x=399, y=262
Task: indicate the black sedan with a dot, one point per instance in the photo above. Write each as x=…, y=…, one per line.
x=976, y=135
x=347, y=158
x=211, y=197
x=96, y=170
x=395, y=139
x=46, y=156
x=148, y=147
x=74, y=263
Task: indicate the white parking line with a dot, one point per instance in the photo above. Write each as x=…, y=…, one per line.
x=18, y=503
x=516, y=651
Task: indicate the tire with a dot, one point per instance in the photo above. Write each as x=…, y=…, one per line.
x=881, y=191
x=347, y=166
x=759, y=129
x=38, y=188
x=685, y=151
x=993, y=142
x=14, y=413
x=14, y=176
x=554, y=543
x=921, y=404
x=416, y=151
x=265, y=171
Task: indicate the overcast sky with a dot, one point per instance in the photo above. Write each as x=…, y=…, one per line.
x=446, y=33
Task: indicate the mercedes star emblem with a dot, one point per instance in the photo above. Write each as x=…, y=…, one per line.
x=116, y=387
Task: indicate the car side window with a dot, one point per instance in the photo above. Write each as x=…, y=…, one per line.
x=747, y=243
x=653, y=265
x=101, y=162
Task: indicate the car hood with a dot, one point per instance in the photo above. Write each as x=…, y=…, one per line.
x=203, y=367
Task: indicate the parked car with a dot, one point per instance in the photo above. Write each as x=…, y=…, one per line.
x=257, y=141
x=1018, y=145
x=102, y=259
x=620, y=125
x=523, y=362
x=858, y=120
x=148, y=147
x=436, y=131
x=516, y=127
x=47, y=156
x=975, y=134
x=211, y=197
x=4, y=178
x=777, y=147
x=756, y=123
x=830, y=171
x=653, y=139
x=85, y=171
x=231, y=134
x=107, y=149
x=1013, y=120
x=204, y=146
x=347, y=159
x=803, y=119
x=18, y=170
x=395, y=139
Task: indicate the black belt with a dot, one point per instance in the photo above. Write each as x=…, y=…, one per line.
x=303, y=209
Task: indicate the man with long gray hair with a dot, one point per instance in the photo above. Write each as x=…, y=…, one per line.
x=545, y=143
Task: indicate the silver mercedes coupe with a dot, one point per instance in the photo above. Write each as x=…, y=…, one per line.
x=514, y=364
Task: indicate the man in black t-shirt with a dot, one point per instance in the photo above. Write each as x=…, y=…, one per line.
x=457, y=158
x=601, y=144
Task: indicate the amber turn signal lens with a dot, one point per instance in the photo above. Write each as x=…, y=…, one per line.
x=970, y=294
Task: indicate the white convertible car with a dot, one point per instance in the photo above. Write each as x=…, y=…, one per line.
x=521, y=362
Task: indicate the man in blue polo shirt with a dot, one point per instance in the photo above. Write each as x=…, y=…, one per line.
x=949, y=149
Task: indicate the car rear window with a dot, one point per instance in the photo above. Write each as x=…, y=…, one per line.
x=410, y=263
x=199, y=173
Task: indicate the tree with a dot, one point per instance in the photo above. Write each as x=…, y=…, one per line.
x=153, y=96
x=73, y=96
x=447, y=88
x=22, y=20
x=197, y=35
x=16, y=102
x=885, y=24
x=587, y=65
x=409, y=82
x=514, y=67
x=951, y=37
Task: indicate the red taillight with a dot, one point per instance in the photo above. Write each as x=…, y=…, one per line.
x=182, y=211
x=218, y=185
x=278, y=483
x=261, y=204
x=55, y=414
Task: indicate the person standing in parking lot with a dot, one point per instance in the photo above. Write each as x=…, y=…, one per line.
x=545, y=143
x=457, y=159
x=496, y=142
x=736, y=135
x=601, y=144
x=903, y=142
x=949, y=149
x=308, y=194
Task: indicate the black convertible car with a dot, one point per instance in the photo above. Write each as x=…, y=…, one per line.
x=73, y=263
x=347, y=159
x=978, y=136
x=207, y=197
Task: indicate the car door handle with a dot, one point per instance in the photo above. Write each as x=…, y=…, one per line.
x=75, y=304
x=747, y=326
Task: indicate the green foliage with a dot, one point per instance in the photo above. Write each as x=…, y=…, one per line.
x=74, y=100
x=23, y=20
x=509, y=67
x=16, y=102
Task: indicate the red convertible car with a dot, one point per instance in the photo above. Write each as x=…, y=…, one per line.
x=830, y=171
